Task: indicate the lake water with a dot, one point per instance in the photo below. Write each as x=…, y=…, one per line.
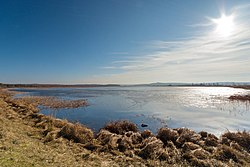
x=198, y=108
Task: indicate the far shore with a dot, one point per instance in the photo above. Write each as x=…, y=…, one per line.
x=119, y=85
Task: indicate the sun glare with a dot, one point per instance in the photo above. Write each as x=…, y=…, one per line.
x=224, y=25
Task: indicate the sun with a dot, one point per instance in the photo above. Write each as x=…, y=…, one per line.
x=224, y=25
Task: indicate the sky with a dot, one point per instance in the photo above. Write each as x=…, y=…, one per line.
x=124, y=41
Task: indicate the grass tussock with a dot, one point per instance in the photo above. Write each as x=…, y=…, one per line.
x=226, y=153
x=120, y=127
x=187, y=135
x=59, y=123
x=146, y=134
x=242, y=138
x=240, y=97
x=167, y=134
x=153, y=149
x=76, y=132
x=4, y=93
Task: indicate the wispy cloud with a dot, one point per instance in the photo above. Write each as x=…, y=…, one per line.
x=118, y=53
x=202, y=57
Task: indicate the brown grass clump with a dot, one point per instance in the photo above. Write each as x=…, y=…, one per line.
x=187, y=135
x=211, y=140
x=1, y=134
x=153, y=148
x=242, y=138
x=146, y=134
x=194, y=161
x=226, y=153
x=4, y=93
x=167, y=134
x=120, y=127
x=76, y=132
x=59, y=123
x=240, y=97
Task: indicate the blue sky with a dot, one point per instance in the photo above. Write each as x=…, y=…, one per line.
x=122, y=41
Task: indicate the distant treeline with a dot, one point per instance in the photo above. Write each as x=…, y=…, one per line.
x=235, y=85
x=53, y=85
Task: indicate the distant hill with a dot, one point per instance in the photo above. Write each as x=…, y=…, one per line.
x=201, y=84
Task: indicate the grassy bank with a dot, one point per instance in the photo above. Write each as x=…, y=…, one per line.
x=28, y=138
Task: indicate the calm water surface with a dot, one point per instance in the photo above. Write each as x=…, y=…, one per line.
x=198, y=108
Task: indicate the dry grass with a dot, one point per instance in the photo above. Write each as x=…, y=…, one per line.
x=146, y=134
x=120, y=127
x=227, y=154
x=76, y=132
x=153, y=149
x=167, y=134
x=240, y=97
x=4, y=93
x=59, y=123
x=242, y=138
x=24, y=144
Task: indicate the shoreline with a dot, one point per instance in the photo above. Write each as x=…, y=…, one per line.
x=235, y=85
x=151, y=121
x=181, y=146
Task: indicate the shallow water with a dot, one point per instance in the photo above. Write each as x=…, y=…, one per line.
x=198, y=108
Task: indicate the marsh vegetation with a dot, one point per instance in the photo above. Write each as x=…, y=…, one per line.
x=179, y=146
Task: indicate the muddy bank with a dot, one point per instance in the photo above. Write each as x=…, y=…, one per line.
x=120, y=143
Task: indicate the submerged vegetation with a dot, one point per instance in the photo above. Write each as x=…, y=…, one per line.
x=50, y=102
x=118, y=143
